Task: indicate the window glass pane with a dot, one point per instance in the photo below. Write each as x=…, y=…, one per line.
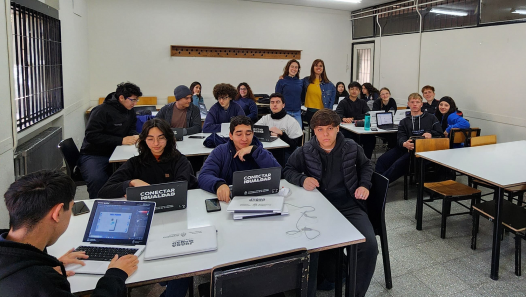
x=449, y=14
x=398, y=19
x=364, y=65
x=363, y=27
x=492, y=11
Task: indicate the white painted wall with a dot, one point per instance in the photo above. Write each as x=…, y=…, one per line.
x=129, y=40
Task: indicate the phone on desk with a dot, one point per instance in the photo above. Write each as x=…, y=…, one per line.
x=79, y=208
x=212, y=205
x=197, y=136
x=374, y=129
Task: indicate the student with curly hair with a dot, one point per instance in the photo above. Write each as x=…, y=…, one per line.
x=245, y=98
x=224, y=110
x=369, y=94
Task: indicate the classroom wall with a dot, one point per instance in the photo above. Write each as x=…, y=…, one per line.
x=130, y=41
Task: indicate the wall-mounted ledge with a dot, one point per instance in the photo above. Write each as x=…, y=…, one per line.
x=233, y=52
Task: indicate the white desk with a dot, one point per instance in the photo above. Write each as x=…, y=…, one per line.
x=237, y=240
x=502, y=165
x=158, y=107
x=361, y=130
x=187, y=147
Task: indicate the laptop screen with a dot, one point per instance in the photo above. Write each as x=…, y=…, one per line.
x=119, y=222
x=256, y=182
x=384, y=118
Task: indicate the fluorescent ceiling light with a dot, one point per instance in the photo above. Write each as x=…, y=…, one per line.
x=519, y=11
x=349, y=1
x=449, y=12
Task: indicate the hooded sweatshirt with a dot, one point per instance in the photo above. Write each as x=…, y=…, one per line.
x=417, y=126
x=218, y=115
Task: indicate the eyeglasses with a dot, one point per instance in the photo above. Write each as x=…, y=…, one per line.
x=133, y=100
x=242, y=89
x=223, y=98
x=159, y=139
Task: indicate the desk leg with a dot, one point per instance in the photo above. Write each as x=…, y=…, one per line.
x=420, y=194
x=497, y=231
x=338, y=289
x=350, y=286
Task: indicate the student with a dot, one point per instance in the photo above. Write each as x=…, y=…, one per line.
x=431, y=104
x=341, y=93
x=351, y=109
x=318, y=90
x=395, y=162
x=245, y=98
x=370, y=94
x=223, y=110
x=385, y=102
x=291, y=87
x=110, y=124
x=158, y=162
x=195, y=87
x=448, y=116
x=39, y=206
x=338, y=168
x=242, y=152
x=282, y=125
x=182, y=113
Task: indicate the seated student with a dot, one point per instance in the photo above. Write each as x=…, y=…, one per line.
x=369, y=94
x=182, y=113
x=385, y=102
x=39, y=206
x=340, y=92
x=282, y=125
x=395, y=163
x=223, y=110
x=431, y=104
x=242, y=152
x=158, y=162
x=351, y=109
x=110, y=124
x=195, y=87
x=342, y=173
x=449, y=116
x=245, y=98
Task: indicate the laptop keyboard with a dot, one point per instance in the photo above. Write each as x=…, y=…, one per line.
x=97, y=253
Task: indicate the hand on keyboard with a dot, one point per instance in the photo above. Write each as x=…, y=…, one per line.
x=126, y=263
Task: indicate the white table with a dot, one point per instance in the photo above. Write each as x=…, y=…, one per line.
x=361, y=130
x=187, y=147
x=502, y=165
x=237, y=240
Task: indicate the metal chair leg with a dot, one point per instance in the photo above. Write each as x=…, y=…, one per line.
x=518, y=255
x=474, y=230
x=446, y=210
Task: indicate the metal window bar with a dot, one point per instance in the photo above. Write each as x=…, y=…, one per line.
x=38, y=65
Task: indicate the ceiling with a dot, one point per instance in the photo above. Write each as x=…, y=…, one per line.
x=332, y=4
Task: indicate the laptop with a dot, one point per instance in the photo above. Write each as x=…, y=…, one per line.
x=256, y=182
x=114, y=227
x=225, y=130
x=401, y=114
x=181, y=242
x=384, y=121
x=167, y=196
x=203, y=111
x=178, y=133
x=263, y=133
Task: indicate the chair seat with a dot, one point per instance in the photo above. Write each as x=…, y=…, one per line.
x=451, y=188
x=519, y=188
x=513, y=216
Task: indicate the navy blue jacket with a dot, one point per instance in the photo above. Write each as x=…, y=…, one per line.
x=292, y=90
x=327, y=92
x=218, y=115
x=218, y=167
x=249, y=108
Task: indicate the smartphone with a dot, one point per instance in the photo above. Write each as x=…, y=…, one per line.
x=197, y=136
x=212, y=205
x=79, y=208
x=374, y=129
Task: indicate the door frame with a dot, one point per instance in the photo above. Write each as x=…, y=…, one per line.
x=352, y=57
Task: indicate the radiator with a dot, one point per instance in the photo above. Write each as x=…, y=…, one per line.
x=40, y=152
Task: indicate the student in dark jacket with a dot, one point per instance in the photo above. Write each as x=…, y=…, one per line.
x=338, y=168
x=224, y=110
x=39, y=206
x=395, y=163
x=158, y=162
x=245, y=98
x=182, y=113
x=242, y=152
x=430, y=103
x=110, y=124
x=369, y=94
x=385, y=102
x=341, y=93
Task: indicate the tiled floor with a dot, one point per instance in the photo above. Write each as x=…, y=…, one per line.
x=422, y=263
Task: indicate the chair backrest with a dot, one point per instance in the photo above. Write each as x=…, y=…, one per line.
x=71, y=155
x=376, y=202
x=171, y=99
x=147, y=101
x=483, y=140
x=285, y=271
x=101, y=99
x=457, y=136
x=432, y=144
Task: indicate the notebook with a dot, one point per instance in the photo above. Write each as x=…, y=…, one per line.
x=225, y=130
x=167, y=196
x=114, y=227
x=256, y=182
x=267, y=204
x=181, y=242
x=250, y=215
x=384, y=121
x=263, y=133
x=178, y=133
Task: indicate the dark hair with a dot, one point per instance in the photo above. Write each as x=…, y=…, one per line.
x=355, y=84
x=224, y=89
x=278, y=95
x=240, y=120
x=325, y=117
x=127, y=89
x=31, y=197
x=452, y=109
x=170, y=151
x=249, y=91
x=323, y=75
x=428, y=87
x=287, y=67
x=195, y=83
x=371, y=89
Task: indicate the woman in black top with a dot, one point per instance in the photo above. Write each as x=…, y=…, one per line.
x=340, y=92
x=369, y=94
x=385, y=102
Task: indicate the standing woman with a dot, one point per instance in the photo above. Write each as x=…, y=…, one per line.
x=291, y=87
x=385, y=102
x=318, y=89
x=195, y=87
x=370, y=94
x=245, y=98
x=341, y=92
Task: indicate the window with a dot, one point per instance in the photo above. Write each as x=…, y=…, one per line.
x=449, y=14
x=492, y=11
x=37, y=63
x=399, y=19
x=364, y=26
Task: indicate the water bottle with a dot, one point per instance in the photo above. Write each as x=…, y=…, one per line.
x=367, y=122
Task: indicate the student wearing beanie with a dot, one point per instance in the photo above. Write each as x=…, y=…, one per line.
x=449, y=116
x=182, y=113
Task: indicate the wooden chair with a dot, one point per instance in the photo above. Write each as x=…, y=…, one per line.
x=483, y=140
x=171, y=99
x=448, y=190
x=147, y=101
x=260, y=277
x=462, y=136
x=101, y=99
x=513, y=220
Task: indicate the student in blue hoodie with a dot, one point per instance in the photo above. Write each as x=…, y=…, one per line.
x=449, y=116
x=242, y=152
x=224, y=110
x=245, y=98
x=291, y=87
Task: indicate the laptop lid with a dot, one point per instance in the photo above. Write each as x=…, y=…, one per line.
x=256, y=182
x=384, y=118
x=178, y=133
x=225, y=129
x=119, y=222
x=202, y=110
x=167, y=196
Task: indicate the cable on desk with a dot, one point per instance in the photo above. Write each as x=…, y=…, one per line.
x=304, y=229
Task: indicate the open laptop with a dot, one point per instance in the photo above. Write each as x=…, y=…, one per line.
x=225, y=130
x=384, y=121
x=114, y=227
x=401, y=114
x=178, y=133
x=263, y=133
x=256, y=182
x=167, y=196
x=203, y=111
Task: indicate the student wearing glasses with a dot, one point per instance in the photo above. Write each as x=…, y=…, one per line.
x=245, y=98
x=110, y=124
x=224, y=110
x=182, y=113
